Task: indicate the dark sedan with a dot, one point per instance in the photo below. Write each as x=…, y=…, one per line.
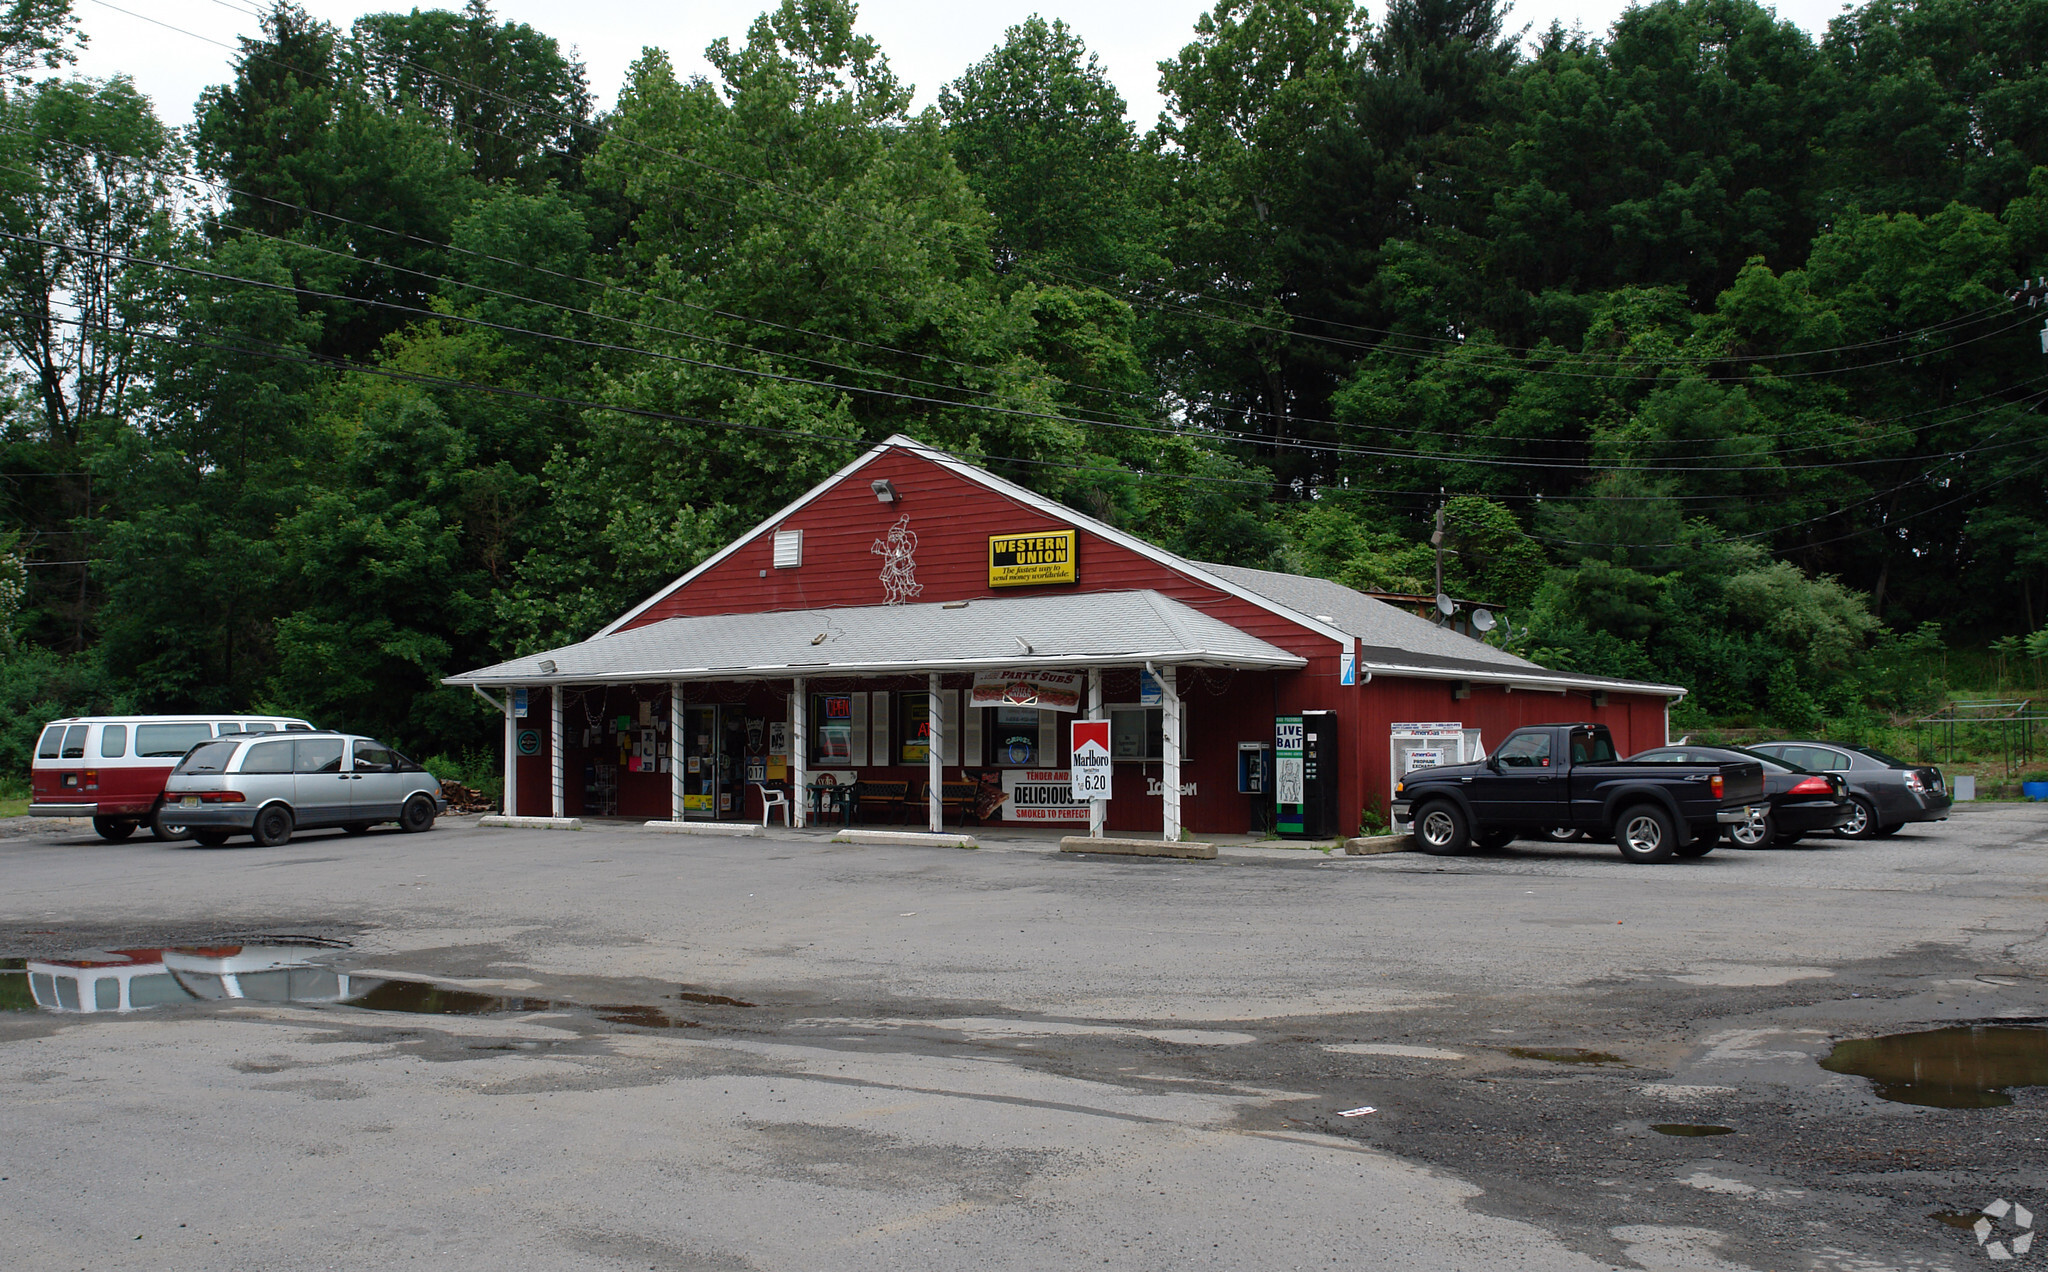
x=1801, y=802
x=1884, y=793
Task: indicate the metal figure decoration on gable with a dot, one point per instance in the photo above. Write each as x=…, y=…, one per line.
x=899, y=564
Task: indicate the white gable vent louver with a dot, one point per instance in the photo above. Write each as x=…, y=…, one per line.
x=789, y=549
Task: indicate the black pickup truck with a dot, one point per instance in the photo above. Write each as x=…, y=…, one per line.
x=1565, y=775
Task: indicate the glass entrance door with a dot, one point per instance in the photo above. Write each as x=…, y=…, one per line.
x=712, y=749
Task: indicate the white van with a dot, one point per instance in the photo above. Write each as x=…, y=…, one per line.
x=112, y=768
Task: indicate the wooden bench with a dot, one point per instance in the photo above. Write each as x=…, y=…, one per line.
x=956, y=800
x=882, y=795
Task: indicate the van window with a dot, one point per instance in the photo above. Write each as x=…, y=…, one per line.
x=298, y=728
x=74, y=742
x=209, y=758
x=67, y=993
x=372, y=758
x=257, y=727
x=52, y=743
x=167, y=741
x=106, y=993
x=317, y=755
x=268, y=757
x=113, y=741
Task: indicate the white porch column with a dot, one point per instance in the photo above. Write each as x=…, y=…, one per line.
x=1170, y=752
x=675, y=753
x=935, y=754
x=557, y=733
x=510, y=803
x=1098, y=809
x=799, y=754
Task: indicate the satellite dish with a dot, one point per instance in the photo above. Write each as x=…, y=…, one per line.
x=1482, y=619
x=1444, y=606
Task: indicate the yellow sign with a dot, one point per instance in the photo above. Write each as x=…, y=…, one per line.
x=697, y=803
x=1026, y=560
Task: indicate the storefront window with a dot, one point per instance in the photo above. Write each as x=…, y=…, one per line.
x=1013, y=740
x=1139, y=733
x=913, y=728
x=831, y=729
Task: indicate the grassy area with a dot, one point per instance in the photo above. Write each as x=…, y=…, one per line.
x=14, y=807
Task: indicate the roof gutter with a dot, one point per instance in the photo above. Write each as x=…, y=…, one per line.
x=1512, y=680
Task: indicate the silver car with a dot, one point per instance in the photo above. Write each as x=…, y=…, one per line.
x=267, y=787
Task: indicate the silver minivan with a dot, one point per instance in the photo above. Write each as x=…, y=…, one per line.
x=267, y=787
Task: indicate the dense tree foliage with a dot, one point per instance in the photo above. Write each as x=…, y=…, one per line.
x=1694, y=336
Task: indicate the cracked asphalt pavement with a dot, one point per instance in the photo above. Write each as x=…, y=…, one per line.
x=701, y=1053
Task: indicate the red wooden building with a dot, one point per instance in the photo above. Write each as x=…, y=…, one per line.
x=928, y=630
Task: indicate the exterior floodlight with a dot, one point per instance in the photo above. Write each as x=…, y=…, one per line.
x=884, y=492
x=547, y=666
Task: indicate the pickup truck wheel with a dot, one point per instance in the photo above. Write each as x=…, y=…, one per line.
x=1754, y=834
x=1441, y=830
x=113, y=829
x=1645, y=834
x=1562, y=834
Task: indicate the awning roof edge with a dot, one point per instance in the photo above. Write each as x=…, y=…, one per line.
x=784, y=671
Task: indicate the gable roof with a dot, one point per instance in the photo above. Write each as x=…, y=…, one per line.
x=1086, y=629
x=1010, y=490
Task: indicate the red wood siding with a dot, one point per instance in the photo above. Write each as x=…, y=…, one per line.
x=953, y=519
x=1635, y=720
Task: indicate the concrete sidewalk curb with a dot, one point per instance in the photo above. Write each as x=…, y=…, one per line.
x=1185, y=849
x=1371, y=844
x=909, y=838
x=728, y=830
x=501, y=822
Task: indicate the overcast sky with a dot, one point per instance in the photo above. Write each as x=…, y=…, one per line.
x=929, y=42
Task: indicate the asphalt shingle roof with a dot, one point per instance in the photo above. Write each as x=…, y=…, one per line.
x=1075, y=630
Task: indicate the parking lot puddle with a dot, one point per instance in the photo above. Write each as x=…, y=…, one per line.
x=119, y=982
x=1690, y=1129
x=1961, y=1067
x=1564, y=1055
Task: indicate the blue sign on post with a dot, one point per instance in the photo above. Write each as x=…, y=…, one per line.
x=519, y=703
x=1149, y=692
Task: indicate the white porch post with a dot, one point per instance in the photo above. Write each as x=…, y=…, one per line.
x=675, y=751
x=935, y=755
x=799, y=754
x=511, y=800
x=1098, y=809
x=557, y=733
x=1170, y=710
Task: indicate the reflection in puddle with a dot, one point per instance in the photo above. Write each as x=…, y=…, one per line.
x=1564, y=1055
x=121, y=981
x=1965, y=1067
x=1956, y=1218
x=1690, y=1129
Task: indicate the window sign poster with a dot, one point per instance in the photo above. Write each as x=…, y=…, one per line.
x=1288, y=737
x=1016, y=736
x=519, y=703
x=1042, y=796
x=1149, y=692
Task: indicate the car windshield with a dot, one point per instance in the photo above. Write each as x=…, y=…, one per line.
x=1880, y=757
x=210, y=758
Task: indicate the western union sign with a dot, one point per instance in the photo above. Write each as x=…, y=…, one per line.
x=1024, y=560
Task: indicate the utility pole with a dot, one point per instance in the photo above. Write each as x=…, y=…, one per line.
x=1436, y=540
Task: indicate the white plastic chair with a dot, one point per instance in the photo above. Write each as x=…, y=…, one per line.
x=772, y=797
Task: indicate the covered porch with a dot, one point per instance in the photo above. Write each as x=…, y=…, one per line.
x=936, y=713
